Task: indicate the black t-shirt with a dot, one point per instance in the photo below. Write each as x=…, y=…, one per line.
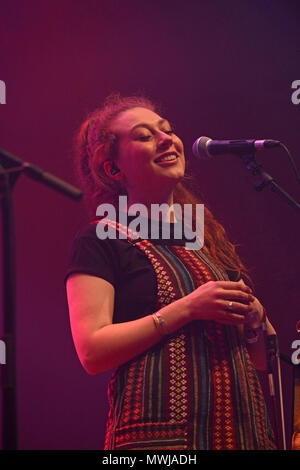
x=124, y=266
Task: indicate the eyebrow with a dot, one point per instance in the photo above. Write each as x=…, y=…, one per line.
x=144, y=124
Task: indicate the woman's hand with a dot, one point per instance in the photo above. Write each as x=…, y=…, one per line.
x=256, y=314
x=225, y=302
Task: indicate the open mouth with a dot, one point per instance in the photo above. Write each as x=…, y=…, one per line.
x=168, y=159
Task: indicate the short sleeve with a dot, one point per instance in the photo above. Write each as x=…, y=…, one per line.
x=90, y=255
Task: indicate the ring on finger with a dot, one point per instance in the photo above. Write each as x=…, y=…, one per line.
x=230, y=305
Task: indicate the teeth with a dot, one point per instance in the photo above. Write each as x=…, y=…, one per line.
x=167, y=158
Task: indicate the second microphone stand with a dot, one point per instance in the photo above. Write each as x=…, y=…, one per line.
x=11, y=167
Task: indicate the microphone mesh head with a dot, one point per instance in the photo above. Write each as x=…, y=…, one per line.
x=200, y=147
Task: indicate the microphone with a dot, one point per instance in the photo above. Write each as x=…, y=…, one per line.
x=204, y=147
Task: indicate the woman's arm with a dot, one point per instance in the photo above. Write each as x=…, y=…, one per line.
x=102, y=344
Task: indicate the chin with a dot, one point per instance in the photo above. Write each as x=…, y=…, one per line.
x=173, y=174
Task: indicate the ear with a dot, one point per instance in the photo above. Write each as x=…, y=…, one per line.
x=109, y=166
x=100, y=155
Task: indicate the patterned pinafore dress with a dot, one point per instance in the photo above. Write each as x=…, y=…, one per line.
x=197, y=389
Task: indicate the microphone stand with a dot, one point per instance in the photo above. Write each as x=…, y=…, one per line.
x=263, y=179
x=295, y=409
x=274, y=356
x=10, y=169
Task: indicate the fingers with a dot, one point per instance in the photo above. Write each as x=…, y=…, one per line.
x=234, y=312
x=234, y=291
x=228, y=318
x=236, y=296
x=232, y=285
x=226, y=302
x=237, y=307
x=237, y=315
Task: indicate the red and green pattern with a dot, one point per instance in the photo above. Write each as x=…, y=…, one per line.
x=196, y=389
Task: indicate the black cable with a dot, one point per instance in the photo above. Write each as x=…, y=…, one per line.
x=291, y=161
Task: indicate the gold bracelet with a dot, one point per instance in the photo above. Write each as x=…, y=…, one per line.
x=160, y=324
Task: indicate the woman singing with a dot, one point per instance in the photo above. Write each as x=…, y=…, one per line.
x=180, y=327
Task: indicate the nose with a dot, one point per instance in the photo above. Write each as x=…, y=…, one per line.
x=164, y=140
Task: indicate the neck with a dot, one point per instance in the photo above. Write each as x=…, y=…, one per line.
x=168, y=215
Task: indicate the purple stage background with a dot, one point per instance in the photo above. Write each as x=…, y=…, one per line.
x=221, y=69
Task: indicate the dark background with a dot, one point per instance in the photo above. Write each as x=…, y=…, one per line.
x=222, y=69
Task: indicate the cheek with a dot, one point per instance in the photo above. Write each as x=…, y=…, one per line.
x=134, y=167
x=179, y=145
x=180, y=149
x=136, y=158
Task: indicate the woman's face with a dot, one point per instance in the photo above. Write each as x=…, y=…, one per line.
x=150, y=157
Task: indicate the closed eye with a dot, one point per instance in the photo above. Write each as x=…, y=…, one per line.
x=146, y=137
